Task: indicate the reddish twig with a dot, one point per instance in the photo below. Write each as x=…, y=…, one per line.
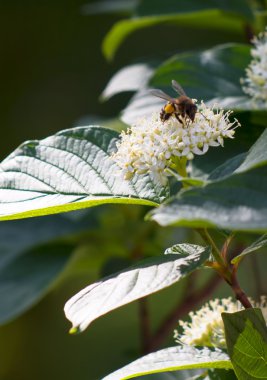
x=189, y=302
x=144, y=322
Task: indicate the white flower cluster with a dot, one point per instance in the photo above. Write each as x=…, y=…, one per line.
x=152, y=146
x=206, y=325
x=255, y=84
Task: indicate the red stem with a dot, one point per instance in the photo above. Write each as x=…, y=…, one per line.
x=189, y=302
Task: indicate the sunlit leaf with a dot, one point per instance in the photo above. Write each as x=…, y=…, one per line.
x=69, y=171
x=173, y=359
x=142, y=279
x=246, y=338
x=130, y=78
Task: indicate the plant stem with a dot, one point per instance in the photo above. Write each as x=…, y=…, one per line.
x=239, y=293
x=179, y=165
x=215, y=250
x=144, y=324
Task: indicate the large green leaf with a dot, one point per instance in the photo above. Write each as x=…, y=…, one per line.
x=140, y=280
x=238, y=202
x=227, y=16
x=255, y=157
x=246, y=338
x=27, y=277
x=69, y=171
x=212, y=75
x=20, y=243
x=235, y=199
x=173, y=359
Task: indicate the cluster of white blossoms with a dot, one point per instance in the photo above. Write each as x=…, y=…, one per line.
x=152, y=146
x=206, y=325
x=255, y=83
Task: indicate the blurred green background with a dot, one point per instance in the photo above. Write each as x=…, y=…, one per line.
x=52, y=74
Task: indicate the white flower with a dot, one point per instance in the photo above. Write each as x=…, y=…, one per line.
x=152, y=146
x=255, y=83
x=206, y=325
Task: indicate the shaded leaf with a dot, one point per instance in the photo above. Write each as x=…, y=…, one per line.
x=221, y=374
x=238, y=202
x=27, y=277
x=20, y=243
x=257, y=155
x=68, y=171
x=228, y=167
x=173, y=359
x=218, y=19
x=212, y=75
x=140, y=280
x=258, y=244
x=246, y=338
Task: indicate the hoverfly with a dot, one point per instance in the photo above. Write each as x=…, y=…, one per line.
x=183, y=106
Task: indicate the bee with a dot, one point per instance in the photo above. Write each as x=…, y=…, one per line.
x=182, y=106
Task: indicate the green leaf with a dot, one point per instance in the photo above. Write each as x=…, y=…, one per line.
x=188, y=249
x=140, y=280
x=246, y=338
x=256, y=245
x=183, y=15
x=27, y=277
x=129, y=78
x=221, y=374
x=173, y=359
x=31, y=234
x=228, y=167
x=238, y=202
x=256, y=157
x=69, y=171
x=211, y=75
x=186, y=374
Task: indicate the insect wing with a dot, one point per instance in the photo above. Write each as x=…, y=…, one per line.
x=161, y=94
x=176, y=86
